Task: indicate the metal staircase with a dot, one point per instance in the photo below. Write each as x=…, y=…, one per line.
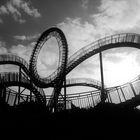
x=119, y=40
x=19, y=79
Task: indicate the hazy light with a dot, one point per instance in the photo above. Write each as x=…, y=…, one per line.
x=121, y=72
x=48, y=58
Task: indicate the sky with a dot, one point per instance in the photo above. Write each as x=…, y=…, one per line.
x=83, y=22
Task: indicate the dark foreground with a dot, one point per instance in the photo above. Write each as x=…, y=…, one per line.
x=103, y=119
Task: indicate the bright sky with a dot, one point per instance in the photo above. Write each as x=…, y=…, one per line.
x=83, y=22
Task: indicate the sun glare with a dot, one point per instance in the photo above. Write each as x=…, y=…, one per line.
x=122, y=72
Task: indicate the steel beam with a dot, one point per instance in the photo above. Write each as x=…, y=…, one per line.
x=102, y=78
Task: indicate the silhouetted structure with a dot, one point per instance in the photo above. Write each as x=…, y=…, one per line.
x=36, y=100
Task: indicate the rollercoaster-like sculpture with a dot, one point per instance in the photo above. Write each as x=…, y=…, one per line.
x=29, y=78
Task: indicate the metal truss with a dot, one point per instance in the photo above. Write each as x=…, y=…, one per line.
x=28, y=77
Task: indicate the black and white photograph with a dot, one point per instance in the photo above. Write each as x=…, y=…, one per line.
x=70, y=65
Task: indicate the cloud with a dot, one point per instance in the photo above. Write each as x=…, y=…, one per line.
x=116, y=55
x=1, y=21
x=113, y=16
x=84, y=4
x=78, y=34
x=47, y=61
x=22, y=37
x=26, y=7
x=3, y=10
x=48, y=58
x=16, y=8
x=26, y=38
x=22, y=51
x=6, y=68
x=15, y=13
x=122, y=71
x=3, y=48
x=117, y=15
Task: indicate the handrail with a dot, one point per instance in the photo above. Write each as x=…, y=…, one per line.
x=16, y=78
x=33, y=78
x=84, y=81
x=127, y=39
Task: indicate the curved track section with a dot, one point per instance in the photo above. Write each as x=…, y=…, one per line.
x=14, y=78
x=15, y=60
x=33, y=80
x=8, y=79
x=83, y=82
x=127, y=94
x=63, y=50
x=13, y=98
x=119, y=40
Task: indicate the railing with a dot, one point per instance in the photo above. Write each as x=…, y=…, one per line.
x=118, y=94
x=13, y=98
x=99, y=45
x=13, y=59
x=88, y=99
x=125, y=39
x=19, y=78
x=62, y=44
x=83, y=81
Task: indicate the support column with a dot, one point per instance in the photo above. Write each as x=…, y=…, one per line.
x=133, y=90
x=123, y=93
x=79, y=102
x=8, y=97
x=118, y=94
x=56, y=94
x=88, y=101
x=31, y=91
x=109, y=97
x=102, y=79
x=19, y=86
x=92, y=99
x=4, y=94
x=65, y=94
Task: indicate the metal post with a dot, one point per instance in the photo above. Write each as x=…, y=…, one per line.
x=88, y=101
x=79, y=101
x=109, y=97
x=27, y=98
x=4, y=93
x=92, y=99
x=65, y=103
x=122, y=93
x=83, y=101
x=55, y=101
x=8, y=96
x=19, y=86
x=133, y=90
x=56, y=97
x=30, y=91
x=15, y=99
x=102, y=78
x=118, y=94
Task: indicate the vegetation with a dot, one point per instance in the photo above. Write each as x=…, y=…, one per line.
x=32, y=114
